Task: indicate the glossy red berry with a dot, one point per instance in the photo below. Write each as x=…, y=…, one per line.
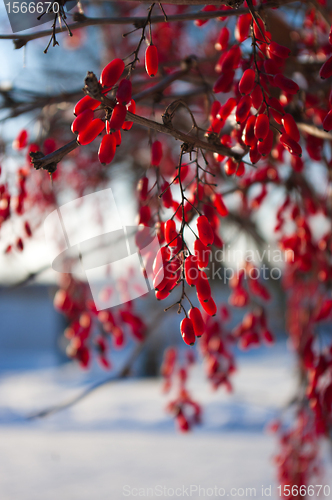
x=243, y=109
x=118, y=117
x=285, y=84
x=209, y=307
x=123, y=94
x=112, y=72
x=242, y=27
x=247, y=82
x=197, y=320
x=91, y=132
x=205, y=232
x=224, y=82
x=220, y=205
x=279, y=50
x=292, y=146
x=276, y=109
x=202, y=253
x=262, y=127
x=248, y=135
x=191, y=271
x=257, y=97
x=21, y=140
x=290, y=127
x=117, y=135
x=226, y=109
x=203, y=287
x=82, y=121
x=222, y=40
x=187, y=331
x=230, y=166
x=107, y=149
x=265, y=147
x=171, y=233
x=85, y=103
x=151, y=60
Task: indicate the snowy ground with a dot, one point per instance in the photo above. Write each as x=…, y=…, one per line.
x=120, y=438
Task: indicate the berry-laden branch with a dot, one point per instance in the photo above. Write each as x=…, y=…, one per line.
x=92, y=88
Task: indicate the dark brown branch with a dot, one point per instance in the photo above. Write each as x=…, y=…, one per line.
x=83, y=21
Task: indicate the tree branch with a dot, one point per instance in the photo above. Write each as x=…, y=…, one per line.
x=83, y=21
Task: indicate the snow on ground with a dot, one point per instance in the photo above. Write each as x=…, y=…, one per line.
x=120, y=438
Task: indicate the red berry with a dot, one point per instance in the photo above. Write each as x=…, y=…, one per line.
x=285, y=84
x=163, y=256
x=230, y=166
x=107, y=149
x=220, y=205
x=191, y=271
x=171, y=233
x=187, y=331
x=327, y=123
x=247, y=82
x=223, y=39
x=151, y=60
x=226, y=109
x=197, y=320
x=167, y=197
x=248, y=136
x=224, y=82
x=254, y=154
x=243, y=109
x=117, y=135
x=123, y=94
x=132, y=109
x=118, y=117
x=27, y=229
x=21, y=140
x=82, y=121
x=111, y=73
x=279, y=50
x=242, y=27
x=156, y=153
x=326, y=69
x=85, y=103
x=203, y=287
x=205, y=232
x=290, y=127
x=262, y=127
x=276, y=109
x=265, y=147
x=202, y=254
x=91, y=132
x=209, y=307
x=292, y=146
x=257, y=97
